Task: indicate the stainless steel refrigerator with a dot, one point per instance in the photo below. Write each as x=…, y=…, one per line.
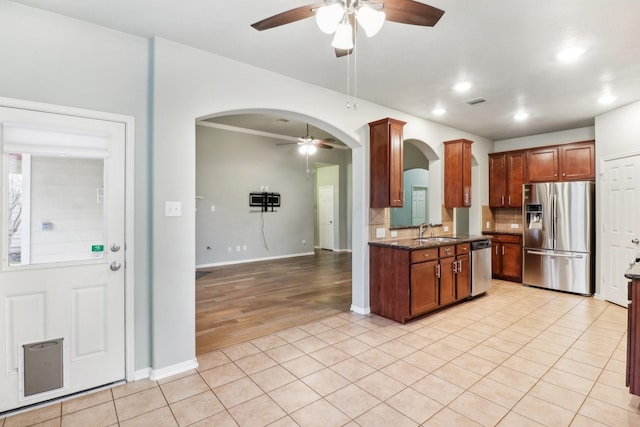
x=558, y=238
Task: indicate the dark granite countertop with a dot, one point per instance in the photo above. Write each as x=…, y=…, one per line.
x=517, y=232
x=633, y=272
x=414, y=243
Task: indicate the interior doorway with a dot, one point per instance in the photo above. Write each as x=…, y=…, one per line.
x=237, y=246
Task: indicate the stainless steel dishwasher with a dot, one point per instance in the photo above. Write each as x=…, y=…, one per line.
x=480, y=267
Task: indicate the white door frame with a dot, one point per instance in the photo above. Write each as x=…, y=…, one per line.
x=320, y=211
x=129, y=124
x=603, y=161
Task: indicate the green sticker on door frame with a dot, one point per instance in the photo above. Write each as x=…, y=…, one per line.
x=97, y=248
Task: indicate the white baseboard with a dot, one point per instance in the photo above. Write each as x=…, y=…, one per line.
x=158, y=374
x=361, y=310
x=142, y=374
x=242, y=261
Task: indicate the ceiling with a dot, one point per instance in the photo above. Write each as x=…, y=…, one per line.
x=505, y=48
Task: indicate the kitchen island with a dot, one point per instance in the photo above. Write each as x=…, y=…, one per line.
x=413, y=277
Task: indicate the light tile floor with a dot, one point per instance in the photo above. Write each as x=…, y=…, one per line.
x=518, y=356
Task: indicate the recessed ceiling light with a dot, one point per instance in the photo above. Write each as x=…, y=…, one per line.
x=462, y=86
x=521, y=116
x=569, y=54
x=606, y=99
x=438, y=111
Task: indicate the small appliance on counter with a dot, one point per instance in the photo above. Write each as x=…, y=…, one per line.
x=558, y=238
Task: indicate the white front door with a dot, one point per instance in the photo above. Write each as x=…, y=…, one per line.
x=620, y=225
x=325, y=214
x=62, y=298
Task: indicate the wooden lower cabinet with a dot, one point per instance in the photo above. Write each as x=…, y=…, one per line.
x=425, y=292
x=405, y=284
x=506, y=257
x=633, y=338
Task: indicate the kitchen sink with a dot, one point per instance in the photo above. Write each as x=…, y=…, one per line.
x=436, y=239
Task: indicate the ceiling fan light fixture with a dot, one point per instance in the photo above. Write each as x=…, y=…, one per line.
x=371, y=20
x=328, y=17
x=343, y=39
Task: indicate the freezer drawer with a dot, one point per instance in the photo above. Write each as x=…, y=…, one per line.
x=562, y=271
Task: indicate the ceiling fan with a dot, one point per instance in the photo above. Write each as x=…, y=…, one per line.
x=340, y=17
x=308, y=144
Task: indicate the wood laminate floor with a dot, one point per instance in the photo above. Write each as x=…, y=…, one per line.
x=241, y=302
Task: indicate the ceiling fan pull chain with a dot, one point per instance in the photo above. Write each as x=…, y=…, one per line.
x=355, y=69
x=348, y=82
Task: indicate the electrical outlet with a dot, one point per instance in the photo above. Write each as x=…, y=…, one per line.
x=515, y=226
x=229, y=249
x=446, y=228
x=244, y=248
x=488, y=224
x=304, y=242
x=237, y=248
x=394, y=233
x=213, y=208
x=380, y=233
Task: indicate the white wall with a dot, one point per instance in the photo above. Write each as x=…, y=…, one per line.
x=552, y=138
x=52, y=59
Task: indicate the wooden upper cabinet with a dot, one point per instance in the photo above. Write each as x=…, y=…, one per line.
x=543, y=164
x=515, y=178
x=506, y=176
x=497, y=179
x=457, y=173
x=386, y=168
x=577, y=161
x=568, y=162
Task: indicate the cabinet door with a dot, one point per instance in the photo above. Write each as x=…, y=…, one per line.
x=577, y=161
x=497, y=180
x=386, y=163
x=511, y=261
x=542, y=164
x=396, y=166
x=496, y=255
x=515, y=178
x=463, y=276
x=447, y=281
x=424, y=287
x=457, y=173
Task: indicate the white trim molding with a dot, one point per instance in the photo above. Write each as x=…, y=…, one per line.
x=158, y=374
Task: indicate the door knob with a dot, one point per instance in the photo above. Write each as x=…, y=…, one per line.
x=115, y=266
x=115, y=247
x=635, y=241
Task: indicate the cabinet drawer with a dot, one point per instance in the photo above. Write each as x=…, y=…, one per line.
x=463, y=248
x=424, y=255
x=507, y=238
x=447, y=251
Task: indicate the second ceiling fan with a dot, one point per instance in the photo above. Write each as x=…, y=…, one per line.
x=340, y=17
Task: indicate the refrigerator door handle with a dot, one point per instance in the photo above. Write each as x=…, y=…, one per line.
x=554, y=219
x=555, y=254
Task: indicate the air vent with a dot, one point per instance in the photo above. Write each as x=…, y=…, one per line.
x=476, y=101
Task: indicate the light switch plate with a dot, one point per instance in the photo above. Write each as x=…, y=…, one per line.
x=380, y=232
x=394, y=233
x=172, y=208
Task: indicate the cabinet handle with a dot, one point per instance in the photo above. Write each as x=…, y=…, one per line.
x=438, y=271
x=503, y=251
x=509, y=200
x=455, y=267
x=502, y=203
x=460, y=266
x=496, y=249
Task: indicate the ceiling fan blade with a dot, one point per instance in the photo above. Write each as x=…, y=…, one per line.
x=412, y=12
x=321, y=140
x=287, y=17
x=343, y=52
x=321, y=145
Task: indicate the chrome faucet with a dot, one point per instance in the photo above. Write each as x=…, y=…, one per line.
x=424, y=227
